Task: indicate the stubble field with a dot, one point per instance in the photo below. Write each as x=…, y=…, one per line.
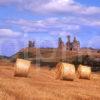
x=42, y=85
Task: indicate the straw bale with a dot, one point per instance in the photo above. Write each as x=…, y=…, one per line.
x=22, y=67
x=65, y=71
x=84, y=72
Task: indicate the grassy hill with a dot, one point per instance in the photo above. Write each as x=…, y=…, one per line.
x=51, y=56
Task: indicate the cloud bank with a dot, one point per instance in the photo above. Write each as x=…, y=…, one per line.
x=53, y=6
x=9, y=33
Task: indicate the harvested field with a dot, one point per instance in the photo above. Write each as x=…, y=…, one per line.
x=41, y=85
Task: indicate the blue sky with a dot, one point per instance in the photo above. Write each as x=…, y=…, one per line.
x=46, y=20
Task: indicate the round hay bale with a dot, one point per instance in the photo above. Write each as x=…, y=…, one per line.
x=22, y=67
x=65, y=71
x=84, y=72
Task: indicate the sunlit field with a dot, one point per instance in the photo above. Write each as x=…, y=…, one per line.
x=42, y=85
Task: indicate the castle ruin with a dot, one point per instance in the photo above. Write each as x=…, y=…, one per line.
x=60, y=43
x=70, y=46
x=31, y=44
x=75, y=45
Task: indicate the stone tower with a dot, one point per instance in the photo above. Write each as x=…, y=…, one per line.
x=31, y=44
x=60, y=43
x=68, y=44
x=61, y=50
x=76, y=44
x=68, y=38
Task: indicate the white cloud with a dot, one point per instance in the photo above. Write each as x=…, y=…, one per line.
x=54, y=6
x=9, y=33
x=54, y=25
x=45, y=25
x=68, y=23
x=60, y=33
x=86, y=21
x=60, y=6
x=7, y=2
